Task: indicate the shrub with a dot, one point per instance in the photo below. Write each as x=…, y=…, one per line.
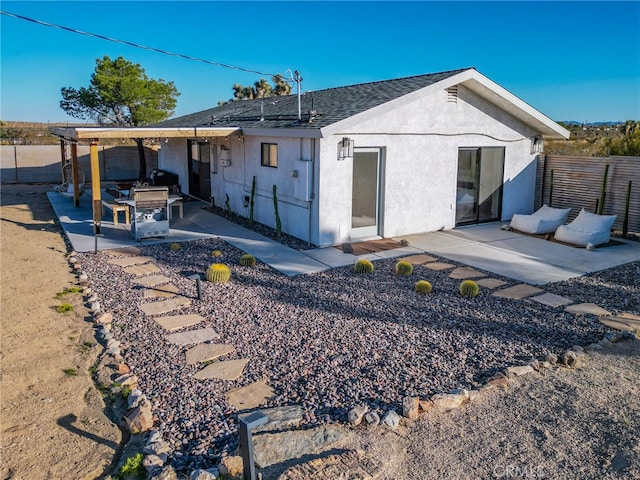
x=469, y=288
x=218, y=273
x=404, y=268
x=133, y=467
x=363, y=266
x=423, y=287
x=248, y=260
x=174, y=247
x=64, y=308
x=70, y=372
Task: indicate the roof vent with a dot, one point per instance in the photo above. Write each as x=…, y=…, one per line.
x=452, y=94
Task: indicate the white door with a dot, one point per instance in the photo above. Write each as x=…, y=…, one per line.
x=365, y=197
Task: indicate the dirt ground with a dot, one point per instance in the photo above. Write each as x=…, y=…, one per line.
x=559, y=424
x=52, y=420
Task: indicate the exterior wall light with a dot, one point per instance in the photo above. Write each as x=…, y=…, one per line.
x=537, y=145
x=345, y=148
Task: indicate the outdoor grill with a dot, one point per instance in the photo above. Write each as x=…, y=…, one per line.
x=150, y=212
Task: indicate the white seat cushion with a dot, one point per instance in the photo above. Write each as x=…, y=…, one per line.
x=545, y=220
x=586, y=228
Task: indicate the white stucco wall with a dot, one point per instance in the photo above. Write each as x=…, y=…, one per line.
x=420, y=142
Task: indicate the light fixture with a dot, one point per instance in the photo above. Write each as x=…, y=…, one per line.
x=345, y=148
x=537, y=145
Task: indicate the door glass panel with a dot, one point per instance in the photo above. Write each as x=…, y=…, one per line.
x=467, y=186
x=490, y=191
x=205, y=171
x=364, y=206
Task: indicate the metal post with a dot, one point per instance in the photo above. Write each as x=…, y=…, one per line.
x=196, y=277
x=95, y=248
x=246, y=424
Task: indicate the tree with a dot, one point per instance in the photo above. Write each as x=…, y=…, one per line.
x=628, y=145
x=262, y=89
x=121, y=94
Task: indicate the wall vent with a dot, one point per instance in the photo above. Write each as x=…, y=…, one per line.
x=452, y=94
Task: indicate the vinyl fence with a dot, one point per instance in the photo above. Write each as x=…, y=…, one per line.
x=577, y=183
x=43, y=163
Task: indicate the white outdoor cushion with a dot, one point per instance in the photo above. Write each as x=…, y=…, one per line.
x=545, y=220
x=586, y=228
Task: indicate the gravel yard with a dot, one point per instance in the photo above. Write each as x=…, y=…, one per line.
x=331, y=340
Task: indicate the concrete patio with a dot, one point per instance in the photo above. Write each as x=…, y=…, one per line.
x=487, y=247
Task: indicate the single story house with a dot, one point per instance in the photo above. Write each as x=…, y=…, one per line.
x=380, y=159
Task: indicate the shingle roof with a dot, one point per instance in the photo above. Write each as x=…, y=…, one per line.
x=331, y=105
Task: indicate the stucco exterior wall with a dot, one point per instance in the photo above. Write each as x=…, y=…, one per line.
x=420, y=142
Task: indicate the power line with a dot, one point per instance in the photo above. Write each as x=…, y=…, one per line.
x=136, y=45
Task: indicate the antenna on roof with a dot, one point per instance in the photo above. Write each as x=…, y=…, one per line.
x=296, y=78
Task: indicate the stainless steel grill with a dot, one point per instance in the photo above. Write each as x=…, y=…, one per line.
x=150, y=212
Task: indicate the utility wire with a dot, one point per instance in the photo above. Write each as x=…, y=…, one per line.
x=131, y=44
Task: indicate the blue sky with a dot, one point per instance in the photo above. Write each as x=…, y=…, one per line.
x=570, y=60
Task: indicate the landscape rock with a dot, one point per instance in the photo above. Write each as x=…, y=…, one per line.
x=372, y=418
x=281, y=418
x=520, y=370
x=552, y=358
x=356, y=414
x=391, y=419
x=410, y=407
x=200, y=474
x=570, y=359
x=449, y=401
x=231, y=466
x=425, y=406
x=122, y=368
x=140, y=419
x=499, y=380
x=127, y=380
x=153, y=462
x=135, y=398
x=104, y=318
x=166, y=473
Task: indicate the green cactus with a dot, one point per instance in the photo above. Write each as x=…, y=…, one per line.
x=363, y=266
x=218, y=273
x=423, y=287
x=404, y=268
x=248, y=260
x=174, y=247
x=469, y=288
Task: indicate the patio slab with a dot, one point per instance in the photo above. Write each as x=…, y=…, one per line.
x=176, y=322
x=586, y=309
x=420, y=259
x=517, y=292
x=164, y=306
x=193, y=336
x=331, y=256
x=228, y=370
x=123, y=252
x=207, y=351
x=624, y=321
x=251, y=396
x=396, y=252
x=552, y=300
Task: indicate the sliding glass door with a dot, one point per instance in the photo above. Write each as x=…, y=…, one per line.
x=479, y=186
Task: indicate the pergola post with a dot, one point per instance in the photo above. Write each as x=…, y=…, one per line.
x=63, y=156
x=74, y=170
x=95, y=186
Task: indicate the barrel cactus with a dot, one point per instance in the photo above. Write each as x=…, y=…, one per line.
x=248, y=260
x=423, y=287
x=218, y=273
x=404, y=268
x=469, y=288
x=363, y=266
x=216, y=253
x=174, y=247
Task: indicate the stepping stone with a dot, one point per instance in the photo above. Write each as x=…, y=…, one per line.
x=176, y=322
x=228, y=370
x=552, y=300
x=166, y=291
x=586, y=309
x=165, y=306
x=193, y=336
x=439, y=266
x=251, y=396
x=272, y=448
x=151, y=280
x=418, y=259
x=517, y=292
x=624, y=321
x=128, y=261
x=140, y=270
x=491, y=283
x=350, y=464
x=123, y=252
x=207, y=351
x=466, y=272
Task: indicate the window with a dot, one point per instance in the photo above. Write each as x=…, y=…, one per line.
x=269, y=155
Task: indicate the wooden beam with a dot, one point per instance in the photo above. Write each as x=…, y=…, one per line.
x=95, y=186
x=142, y=132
